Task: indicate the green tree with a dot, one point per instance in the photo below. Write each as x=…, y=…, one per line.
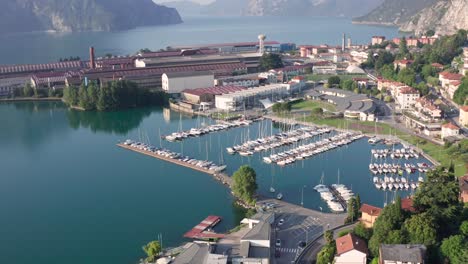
x=327, y=254
x=455, y=249
x=83, y=100
x=270, y=61
x=28, y=90
x=93, y=94
x=245, y=183
x=383, y=58
x=430, y=33
x=461, y=94
x=428, y=71
x=388, y=98
x=70, y=95
x=421, y=229
x=317, y=111
x=464, y=228
x=388, y=72
x=407, y=76
x=361, y=231
x=353, y=210
x=333, y=81
x=403, y=51
x=328, y=235
x=347, y=85
x=438, y=197
x=423, y=88
x=152, y=250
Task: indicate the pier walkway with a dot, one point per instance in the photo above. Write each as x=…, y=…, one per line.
x=338, y=196
x=222, y=177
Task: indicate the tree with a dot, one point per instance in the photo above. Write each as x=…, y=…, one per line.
x=464, y=228
x=334, y=80
x=317, y=111
x=428, y=71
x=361, y=231
x=388, y=72
x=383, y=58
x=430, y=33
x=152, y=250
x=270, y=61
x=347, y=85
x=244, y=183
x=461, y=94
x=421, y=229
x=28, y=90
x=326, y=255
x=407, y=76
x=328, y=235
x=455, y=248
x=353, y=211
x=388, y=98
x=438, y=197
x=423, y=88
x=403, y=49
x=83, y=100
x=281, y=108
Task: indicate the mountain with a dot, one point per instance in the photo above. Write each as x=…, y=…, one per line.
x=394, y=12
x=445, y=17
x=346, y=8
x=82, y=15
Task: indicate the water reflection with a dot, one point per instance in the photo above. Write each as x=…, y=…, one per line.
x=118, y=122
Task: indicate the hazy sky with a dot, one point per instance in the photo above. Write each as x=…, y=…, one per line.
x=198, y=1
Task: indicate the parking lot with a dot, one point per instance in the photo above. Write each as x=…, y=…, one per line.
x=295, y=224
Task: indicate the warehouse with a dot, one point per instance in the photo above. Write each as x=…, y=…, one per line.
x=207, y=95
x=176, y=82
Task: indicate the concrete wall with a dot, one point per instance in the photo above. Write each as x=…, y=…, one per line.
x=178, y=84
x=351, y=257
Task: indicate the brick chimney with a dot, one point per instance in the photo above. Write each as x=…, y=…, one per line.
x=92, y=63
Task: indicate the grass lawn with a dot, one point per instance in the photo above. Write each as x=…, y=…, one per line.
x=310, y=105
x=321, y=77
x=437, y=152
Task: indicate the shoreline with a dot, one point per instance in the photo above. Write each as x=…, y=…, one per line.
x=32, y=99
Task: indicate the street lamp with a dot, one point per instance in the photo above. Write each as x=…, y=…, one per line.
x=302, y=196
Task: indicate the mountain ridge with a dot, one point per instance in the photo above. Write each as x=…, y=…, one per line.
x=82, y=15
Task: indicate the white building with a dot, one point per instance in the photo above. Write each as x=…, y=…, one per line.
x=406, y=97
x=176, y=82
x=251, y=97
x=350, y=249
x=450, y=130
x=402, y=253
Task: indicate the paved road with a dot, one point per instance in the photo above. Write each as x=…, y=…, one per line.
x=299, y=224
x=312, y=250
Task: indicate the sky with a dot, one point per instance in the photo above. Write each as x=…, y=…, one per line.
x=198, y=1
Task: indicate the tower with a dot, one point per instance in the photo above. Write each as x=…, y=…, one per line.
x=92, y=63
x=261, y=44
x=349, y=43
x=343, y=43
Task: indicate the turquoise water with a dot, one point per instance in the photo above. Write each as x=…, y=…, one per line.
x=40, y=47
x=69, y=195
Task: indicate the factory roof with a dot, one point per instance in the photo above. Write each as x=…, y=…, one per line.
x=188, y=74
x=233, y=44
x=256, y=90
x=198, y=58
x=64, y=65
x=52, y=77
x=215, y=90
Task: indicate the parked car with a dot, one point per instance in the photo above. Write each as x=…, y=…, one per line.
x=278, y=242
x=281, y=222
x=302, y=244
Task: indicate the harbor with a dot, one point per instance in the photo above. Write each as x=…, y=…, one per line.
x=207, y=167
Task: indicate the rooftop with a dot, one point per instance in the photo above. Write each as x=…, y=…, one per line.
x=463, y=181
x=451, y=76
x=407, y=204
x=370, y=210
x=215, y=90
x=451, y=126
x=464, y=108
x=188, y=74
x=350, y=242
x=413, y=253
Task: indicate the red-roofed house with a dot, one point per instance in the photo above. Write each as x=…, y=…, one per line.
x=350, y=249
x=450, y=130
x=438, y=66
x=427, y=107
x=452, y=88
x=406, y=97
x=446, y=77
x=369, y=214
x=407, y=204
x=402, y=64
x=463, y=119
x=463, y=183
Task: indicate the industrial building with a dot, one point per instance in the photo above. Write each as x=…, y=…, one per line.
x=176, y=82
x=252, y=97
x=207, y=95
x=237, y=47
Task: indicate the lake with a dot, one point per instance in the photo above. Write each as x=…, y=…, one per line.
x=41, y=47
x=68, y=194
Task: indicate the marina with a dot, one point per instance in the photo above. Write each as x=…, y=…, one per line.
x=205, y=166
x=195, y=132
x=277, y=140
x=336, y=196
x=405, y=152
x=306, y=151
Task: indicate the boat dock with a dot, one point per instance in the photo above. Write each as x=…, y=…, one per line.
x=338, y=197
x=203, y=230
x=222, y=177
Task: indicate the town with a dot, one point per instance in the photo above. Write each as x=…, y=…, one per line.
x=410, y=90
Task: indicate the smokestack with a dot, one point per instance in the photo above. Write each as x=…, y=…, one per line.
x=92, y=63
x=343, y=43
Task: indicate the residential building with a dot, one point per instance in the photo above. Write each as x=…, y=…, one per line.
x=402, y=254
x=402, y=64
x=463, y=183
x=437, y=66
x=176, y=82
x=464, y=70
x=350, y=249
x=463, y=119
x=427, y=107
x=377, y=40
x=446, y=77
x=369, y=215
x=406, y=97
x=450, y=130
x=452, y=88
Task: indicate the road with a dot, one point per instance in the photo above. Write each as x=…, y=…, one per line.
x=313, y=249
x=300, y=224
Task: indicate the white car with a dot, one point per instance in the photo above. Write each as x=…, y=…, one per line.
x=278, y=242
x=281, y=222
